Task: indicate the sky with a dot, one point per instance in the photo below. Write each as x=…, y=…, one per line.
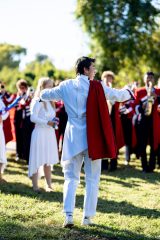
x=44, y=26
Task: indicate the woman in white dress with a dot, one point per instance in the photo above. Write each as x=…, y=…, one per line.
x=43, y=149
x=3, y=159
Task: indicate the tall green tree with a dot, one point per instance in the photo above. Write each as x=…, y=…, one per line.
x=121, y=30
x=40, y=67
x=10, y=55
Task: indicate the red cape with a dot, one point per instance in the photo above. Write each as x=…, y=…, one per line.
x=118, y=130
x=100, y=136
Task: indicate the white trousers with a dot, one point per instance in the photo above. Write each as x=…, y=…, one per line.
x=72, y=178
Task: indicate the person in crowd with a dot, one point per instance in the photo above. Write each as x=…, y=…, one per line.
x=88, y=135
x=3, y=159
x=62, y=115
x=126, y=110
x=23, y=125
x=43, y=149
x=8, y=123
x=157, y=152
x=147, y=121
x=113, y=106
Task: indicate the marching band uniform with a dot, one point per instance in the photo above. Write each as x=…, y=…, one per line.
x=23, y=128
x=62, y=115
x=127, y=110
x=74, y=94
x=113, y=106
x=8, y=123
x=147, y=128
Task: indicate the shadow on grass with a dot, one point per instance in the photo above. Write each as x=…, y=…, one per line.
x=122, y=173
x=125, y=208
x=131, y=172
x=21, y=164
x=104, y=206
x=15, y=172
x=26, y=191
x=123, y=183
x=114, y=233
x=17, y=231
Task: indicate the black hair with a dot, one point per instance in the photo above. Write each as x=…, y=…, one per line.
x=150, y=74
x=83, y=62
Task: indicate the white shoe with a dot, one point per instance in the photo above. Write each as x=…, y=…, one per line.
x=68, y=223
x=17, y=159
x=86, y=221
x=126, y=163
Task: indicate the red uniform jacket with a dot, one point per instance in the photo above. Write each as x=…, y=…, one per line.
x=8, y=124
x=139, y=94
x=100, y=136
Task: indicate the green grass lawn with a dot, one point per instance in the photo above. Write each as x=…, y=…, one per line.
x=128, y=206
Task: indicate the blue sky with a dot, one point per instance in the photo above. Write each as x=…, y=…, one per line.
x=44, y=26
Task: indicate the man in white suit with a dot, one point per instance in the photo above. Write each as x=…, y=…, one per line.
x=74, y=93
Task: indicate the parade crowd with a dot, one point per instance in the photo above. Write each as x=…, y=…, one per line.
x=38, y=127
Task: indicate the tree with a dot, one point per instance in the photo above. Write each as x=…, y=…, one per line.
x=10, y=76
x=120, y=30
x=41, y=66
x=38, y=68
x=41, y=57
x=10, y=55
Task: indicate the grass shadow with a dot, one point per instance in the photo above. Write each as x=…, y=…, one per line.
x=26, y=191
x=125, y=208
x=17, y=231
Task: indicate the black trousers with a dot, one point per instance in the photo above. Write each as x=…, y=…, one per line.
x=109, y=164
x=127, y=132
x=144, y=132
x=23, y=130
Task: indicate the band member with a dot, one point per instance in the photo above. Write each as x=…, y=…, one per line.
x=147, y=121
x=62, y=115
x=43, y=150
x=85, y=139
x=6, y=96
x=127, y=111
x=8, y=123
x=156, y=128
x=23, y=125
x=113, y=106
x=3, y=160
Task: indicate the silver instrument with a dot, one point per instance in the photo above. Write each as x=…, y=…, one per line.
x=150, y=100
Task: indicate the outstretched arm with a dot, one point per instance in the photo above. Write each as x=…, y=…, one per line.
x=55, y=93
x=117, y=95
x=5, y=114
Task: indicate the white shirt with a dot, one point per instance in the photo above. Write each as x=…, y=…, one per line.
x=41, y=114
x=74, y=93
